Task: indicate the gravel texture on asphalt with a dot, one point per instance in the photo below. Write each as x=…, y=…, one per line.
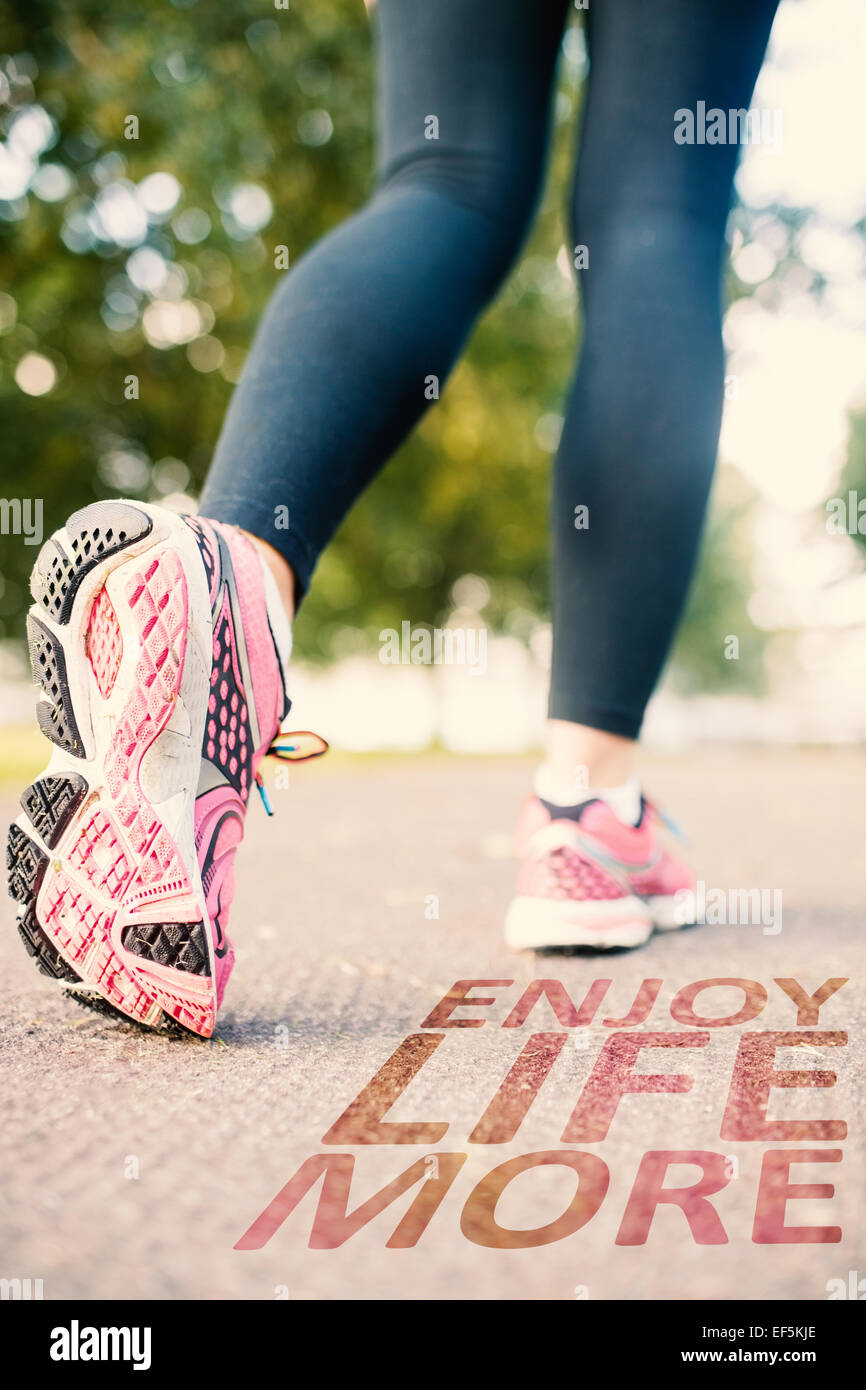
x=133, y=1163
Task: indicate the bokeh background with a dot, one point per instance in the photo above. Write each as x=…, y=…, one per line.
x=153, y=257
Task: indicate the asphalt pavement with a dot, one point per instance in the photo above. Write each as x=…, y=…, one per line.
x=134, y=1163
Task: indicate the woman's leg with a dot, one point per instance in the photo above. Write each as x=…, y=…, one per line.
x=336, y=377
x=641, y=430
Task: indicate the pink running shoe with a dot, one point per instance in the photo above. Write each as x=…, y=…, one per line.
x=162, y=689
x=588, y=878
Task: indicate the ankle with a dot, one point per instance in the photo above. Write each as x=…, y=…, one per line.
x=582, y=757
x=281, y=570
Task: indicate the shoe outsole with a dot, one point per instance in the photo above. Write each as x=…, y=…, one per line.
x=90, y=862
x=38, y=945
x=51, y=803
x=98, y=1005
x=55, y=714
x=178, y=945
x=92, y=534
x=550, y=924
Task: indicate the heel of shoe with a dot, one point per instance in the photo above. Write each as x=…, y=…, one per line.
x=107, y=901
x=548, y=923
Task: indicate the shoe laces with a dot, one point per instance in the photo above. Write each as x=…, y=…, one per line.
x=291, y=747
x=668, y=821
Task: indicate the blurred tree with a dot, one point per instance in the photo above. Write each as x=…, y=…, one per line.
x=154, y=157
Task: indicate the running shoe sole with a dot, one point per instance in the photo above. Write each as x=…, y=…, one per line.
x=668, y=912
x=102, y=859
x=538, y=923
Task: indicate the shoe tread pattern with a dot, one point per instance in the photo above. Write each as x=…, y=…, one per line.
x=100, y=1005
x=92, y=534
x=51, y=802
x=179, y=945
x=55, y=714
x=25, y=866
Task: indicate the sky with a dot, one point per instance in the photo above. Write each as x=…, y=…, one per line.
x=799, y=364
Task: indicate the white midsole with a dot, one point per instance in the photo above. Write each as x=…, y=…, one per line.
x=667, y=911
x=542, y=922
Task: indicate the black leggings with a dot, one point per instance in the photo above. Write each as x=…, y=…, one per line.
x=335, y=379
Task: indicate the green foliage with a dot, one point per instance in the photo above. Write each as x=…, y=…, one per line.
x=245, y=94
x=717, y=609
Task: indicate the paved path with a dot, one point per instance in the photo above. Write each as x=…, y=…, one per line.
x=339, y=960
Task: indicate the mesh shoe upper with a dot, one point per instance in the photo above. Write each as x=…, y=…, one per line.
x=246, y=703
x=586, y=852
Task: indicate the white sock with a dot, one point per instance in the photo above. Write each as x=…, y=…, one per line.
x=623, y=800
x=279, y=621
